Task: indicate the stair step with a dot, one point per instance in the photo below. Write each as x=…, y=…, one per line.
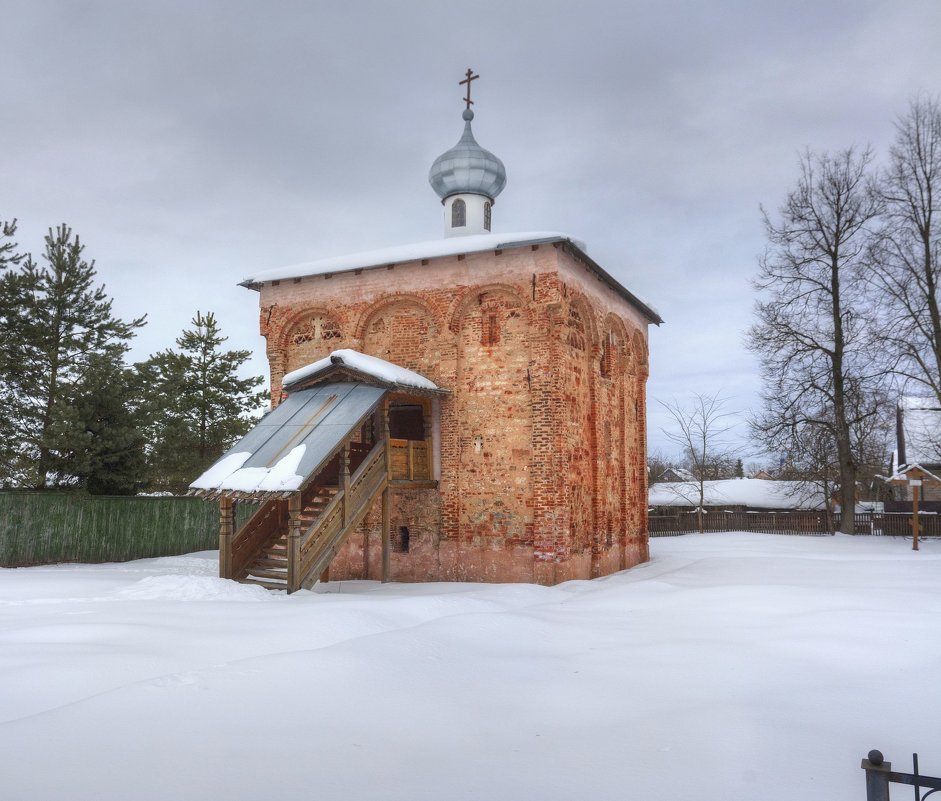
x=267, y=573
x=266, y=561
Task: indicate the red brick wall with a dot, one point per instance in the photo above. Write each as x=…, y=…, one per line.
x=542, y=446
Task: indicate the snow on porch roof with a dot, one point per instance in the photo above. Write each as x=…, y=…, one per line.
x=451, y=246
x=367, y=366
x=290, y=443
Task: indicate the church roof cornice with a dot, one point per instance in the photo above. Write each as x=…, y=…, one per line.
x=441, y=248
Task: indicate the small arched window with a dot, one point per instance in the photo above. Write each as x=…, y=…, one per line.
x=458, y=214
x=487, y=215
x=400, y=542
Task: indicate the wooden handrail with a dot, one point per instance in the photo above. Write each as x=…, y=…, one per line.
x=322, y=539
x=252, y=536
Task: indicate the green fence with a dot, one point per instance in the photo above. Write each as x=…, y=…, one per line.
x=38, y=528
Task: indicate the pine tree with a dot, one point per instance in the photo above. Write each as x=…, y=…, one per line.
x=53, y=322
x=9, y=254
x=101, y=436
x=199, y=404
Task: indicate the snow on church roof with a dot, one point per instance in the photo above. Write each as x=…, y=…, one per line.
x=362, y=363
x=438, y=248
x=432, y=249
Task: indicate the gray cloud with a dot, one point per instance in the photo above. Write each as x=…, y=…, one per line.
x=192, y=144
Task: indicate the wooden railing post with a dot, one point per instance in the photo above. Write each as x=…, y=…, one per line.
x=386, y=538
x=345, y=482
x=226, y=532
x=429, y=450
x=386, y=496
x=294, y=540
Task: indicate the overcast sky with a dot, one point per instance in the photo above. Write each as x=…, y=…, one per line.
x=193, y=143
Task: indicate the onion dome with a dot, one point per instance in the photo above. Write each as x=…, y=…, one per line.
x=467, y=168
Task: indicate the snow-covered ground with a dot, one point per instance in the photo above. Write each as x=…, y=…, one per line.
x=732, y=666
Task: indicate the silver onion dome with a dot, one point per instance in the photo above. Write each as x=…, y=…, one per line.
x=467, y=168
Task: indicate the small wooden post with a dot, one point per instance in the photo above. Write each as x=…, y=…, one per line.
x=386, y=437
x=429, y=451
x=226, y=532
x=345, y=482
x=387, y=496
x=386, y=539
x=914, y=477
x=294, y=540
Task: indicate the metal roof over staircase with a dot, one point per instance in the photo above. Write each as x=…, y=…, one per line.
x=290, y=443
x=295, y=440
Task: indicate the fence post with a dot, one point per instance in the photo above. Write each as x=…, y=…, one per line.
x=877, y=776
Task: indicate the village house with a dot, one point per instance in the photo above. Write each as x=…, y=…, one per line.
x=470, y=408
x=918, y=445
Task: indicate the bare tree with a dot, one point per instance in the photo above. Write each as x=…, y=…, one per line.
x=811, y=465
x=700, y=429
x=814, y=335
x=905, y=269
x=657, y=465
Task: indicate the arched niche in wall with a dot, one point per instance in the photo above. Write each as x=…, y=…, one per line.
x=494, y=416
x=614, y=347
x=578, y=352
x=401, y=330
x=311, y=336
x=640, y=351
x=616, y=389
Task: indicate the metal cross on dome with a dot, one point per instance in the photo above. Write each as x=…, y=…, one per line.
x=470, y=77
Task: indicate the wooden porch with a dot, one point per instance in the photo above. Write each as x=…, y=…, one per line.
x=289, y=542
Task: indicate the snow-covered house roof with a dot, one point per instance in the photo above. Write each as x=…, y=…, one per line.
x=677, y=474
x=451, y=246
x=356, y=364
x=901, y=473
x=753, y=492
x=919, y=431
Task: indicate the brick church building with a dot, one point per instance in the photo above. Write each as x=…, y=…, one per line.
x=523, y=456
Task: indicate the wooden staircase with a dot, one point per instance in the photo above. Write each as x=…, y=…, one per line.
x=269, y=568
x=289, y=542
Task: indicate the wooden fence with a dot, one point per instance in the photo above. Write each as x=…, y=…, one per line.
x=896, y=524
x=38, y=528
